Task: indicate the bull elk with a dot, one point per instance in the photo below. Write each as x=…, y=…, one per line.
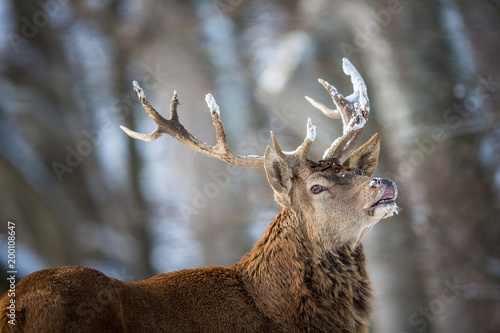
x=306, y=274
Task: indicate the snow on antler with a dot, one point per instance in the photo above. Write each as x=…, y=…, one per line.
x=212, y=104
x=353, y=110
x=358, y=84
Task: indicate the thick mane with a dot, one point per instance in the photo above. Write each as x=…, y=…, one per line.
x=331, y=293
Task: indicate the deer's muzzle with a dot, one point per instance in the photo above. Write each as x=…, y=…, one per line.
x=387, y=194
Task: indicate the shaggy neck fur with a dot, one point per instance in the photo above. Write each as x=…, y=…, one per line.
x=306, y=291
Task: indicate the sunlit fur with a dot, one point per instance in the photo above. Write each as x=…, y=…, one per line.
x=340, y=212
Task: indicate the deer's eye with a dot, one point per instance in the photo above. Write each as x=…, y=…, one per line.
x=316, y=189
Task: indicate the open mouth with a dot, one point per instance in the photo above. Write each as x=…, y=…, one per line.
x=388, y=197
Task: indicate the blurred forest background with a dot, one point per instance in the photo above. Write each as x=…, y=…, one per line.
x=81, y=192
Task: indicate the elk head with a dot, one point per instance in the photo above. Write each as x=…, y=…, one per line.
x=337, y=201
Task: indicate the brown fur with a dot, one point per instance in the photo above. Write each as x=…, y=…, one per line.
x=277, y=287
x=303, y=293
x=307, y=273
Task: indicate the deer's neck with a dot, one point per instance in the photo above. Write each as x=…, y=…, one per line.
x=297, y=285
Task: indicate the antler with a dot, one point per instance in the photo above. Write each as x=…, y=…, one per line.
x=176, y=130
x=220, y=151
x=353, y=110
x=299, y=155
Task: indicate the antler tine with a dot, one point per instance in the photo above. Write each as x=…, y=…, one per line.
x=296, y=157
x=353, y=110
x=176, y=130
x=323, y=108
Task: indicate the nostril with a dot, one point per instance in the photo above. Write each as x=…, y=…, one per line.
x=386, y=182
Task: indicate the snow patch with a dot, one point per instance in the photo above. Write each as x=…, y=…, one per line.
x=212, y=104
x=374, y=182
x=357, y=122
x=311, y=130
x=359, y=94
x=139, y=90
x=310, y=136
x=391, y=210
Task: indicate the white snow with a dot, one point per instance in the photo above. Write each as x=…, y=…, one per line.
x=359, y=94
x=310, y=136
x=212, y=104
x=311, y=130
x=357, y=122
x=391, y=210
x=374, y=181
x=359, y=98
x=139, y=90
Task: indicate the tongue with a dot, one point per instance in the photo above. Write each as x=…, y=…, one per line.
x=389, y=193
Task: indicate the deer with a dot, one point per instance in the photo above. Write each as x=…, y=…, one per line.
x=306, y=274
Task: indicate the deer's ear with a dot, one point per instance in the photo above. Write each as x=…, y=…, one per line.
x=365, y=157
x=279, y=176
